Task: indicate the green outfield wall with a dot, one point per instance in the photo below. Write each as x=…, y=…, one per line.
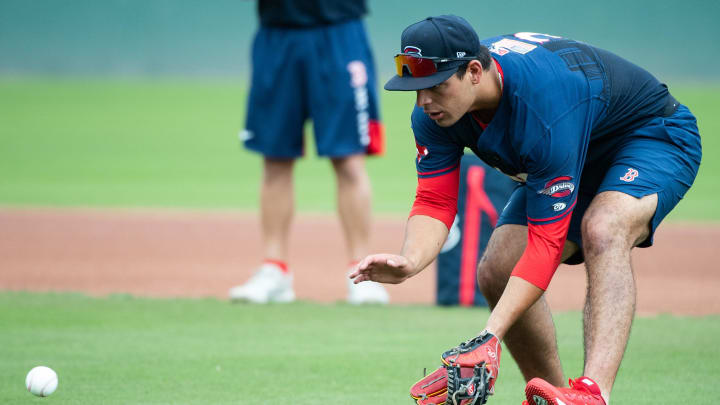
x=675, y=40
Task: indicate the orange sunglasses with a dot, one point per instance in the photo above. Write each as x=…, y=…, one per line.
x=421, y=66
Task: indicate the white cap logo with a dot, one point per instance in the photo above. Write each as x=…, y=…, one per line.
x=412, y=49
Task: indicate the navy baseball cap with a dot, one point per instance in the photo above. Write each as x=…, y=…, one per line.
x=447, y=37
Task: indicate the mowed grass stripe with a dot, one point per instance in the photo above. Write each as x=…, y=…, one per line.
x=121, y=350
x=173, y=143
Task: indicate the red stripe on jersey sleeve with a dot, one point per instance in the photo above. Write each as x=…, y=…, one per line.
x=437, y=197
x=543, y=252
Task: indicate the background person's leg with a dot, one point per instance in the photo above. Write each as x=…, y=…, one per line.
x=612, y=226
x=344, y=109
x=273, y=280
x=279, y=141
x=277, y=206
x=353, y=203
x=354, y=208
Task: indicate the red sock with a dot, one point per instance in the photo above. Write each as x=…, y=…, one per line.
x=279, y=263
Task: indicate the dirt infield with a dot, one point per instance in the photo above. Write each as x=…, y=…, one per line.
x=198, y=254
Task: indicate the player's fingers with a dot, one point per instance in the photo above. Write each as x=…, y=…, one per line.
x=397, y=261
x=369, y=260
x=355, y=270
x=364, y=263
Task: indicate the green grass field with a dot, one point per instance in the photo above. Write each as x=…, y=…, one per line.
x=123, y=350
x=174, y=144
x=102, y=143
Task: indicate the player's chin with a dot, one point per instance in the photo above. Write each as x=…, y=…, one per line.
x=445, y=120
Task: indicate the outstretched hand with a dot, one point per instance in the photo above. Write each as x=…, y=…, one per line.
x=383, y=268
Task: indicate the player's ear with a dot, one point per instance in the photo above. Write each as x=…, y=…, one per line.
x=475, y=70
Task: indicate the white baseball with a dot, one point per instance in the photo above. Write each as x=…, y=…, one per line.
x=41, y=381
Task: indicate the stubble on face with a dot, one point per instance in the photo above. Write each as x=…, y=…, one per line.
x=445, y=103
x=477, y=91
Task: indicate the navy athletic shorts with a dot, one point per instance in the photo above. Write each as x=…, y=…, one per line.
x=662, y=156
x=325, y=74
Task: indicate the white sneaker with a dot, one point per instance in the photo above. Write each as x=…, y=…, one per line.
x=367, y=292
x=269, y=284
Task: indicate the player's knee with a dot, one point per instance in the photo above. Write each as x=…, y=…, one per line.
x=492, y=276
x=350, y=170
x=602, y=232
x=278, y=170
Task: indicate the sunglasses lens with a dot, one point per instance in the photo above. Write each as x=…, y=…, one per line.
x=417, y=66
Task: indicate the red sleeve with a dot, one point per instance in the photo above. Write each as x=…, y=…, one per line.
x=543, y=252
x=437, y=196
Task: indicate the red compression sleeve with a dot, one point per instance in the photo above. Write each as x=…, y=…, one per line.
x=437, y=196
x=543, y=252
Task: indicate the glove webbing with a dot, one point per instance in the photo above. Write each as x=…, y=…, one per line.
x=473, y=389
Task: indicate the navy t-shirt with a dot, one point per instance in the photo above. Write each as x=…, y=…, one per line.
x=560, y=99
x=309, y=13
x=564, y=104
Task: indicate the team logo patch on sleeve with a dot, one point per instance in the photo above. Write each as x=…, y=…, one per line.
x=558, y=187
x=421, y=152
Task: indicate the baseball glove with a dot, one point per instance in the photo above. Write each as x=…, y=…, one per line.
x=467, y=376
x=483, y=350
x=453, y=385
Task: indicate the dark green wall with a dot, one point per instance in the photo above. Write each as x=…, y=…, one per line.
x=193, y=37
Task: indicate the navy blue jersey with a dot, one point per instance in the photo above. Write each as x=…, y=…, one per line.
x=309, y=13
x=565, y=108
x=563, y=103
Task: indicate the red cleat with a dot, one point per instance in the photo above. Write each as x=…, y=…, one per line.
x=582, y=391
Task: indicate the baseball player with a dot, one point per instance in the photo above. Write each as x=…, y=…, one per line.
x=311, y=60
x=601, y=152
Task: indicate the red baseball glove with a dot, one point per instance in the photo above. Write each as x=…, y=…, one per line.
x=452, y=385
x=467, y=376
x=483, y=350
x=431, y=389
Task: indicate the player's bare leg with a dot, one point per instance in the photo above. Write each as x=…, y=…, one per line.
x=276, y=207
x=613, y=224
x=531, y=340
x=353, y=185
x=271, y=282
x=353, y=203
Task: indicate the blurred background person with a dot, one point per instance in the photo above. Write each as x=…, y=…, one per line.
x=311, y=60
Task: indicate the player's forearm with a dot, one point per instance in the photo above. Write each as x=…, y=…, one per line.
x=424, y=237
x=531, y=275
x=518, y=297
